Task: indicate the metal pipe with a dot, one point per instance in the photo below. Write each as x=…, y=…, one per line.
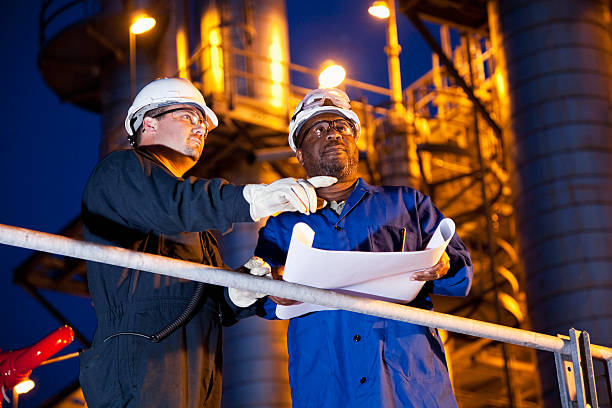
x=56, y=244
x=393, y=50
x=489, y=229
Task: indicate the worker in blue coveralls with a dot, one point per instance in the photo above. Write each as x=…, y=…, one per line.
x=158, y=340
x=339, y=358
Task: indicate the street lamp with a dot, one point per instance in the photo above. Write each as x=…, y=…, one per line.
x=386, y=10
x=141, y=23
x=379, y=9
x=331, y=76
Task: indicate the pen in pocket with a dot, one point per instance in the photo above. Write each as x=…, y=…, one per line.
x=403, y=238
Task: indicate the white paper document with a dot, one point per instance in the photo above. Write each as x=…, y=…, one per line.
x=379, y=275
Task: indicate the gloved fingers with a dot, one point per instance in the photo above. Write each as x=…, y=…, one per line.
x=310, y=193
x=322, y=181
x=243, y=298
x=284, y=182
x=298, y=198
x=254, y=262
x=258, y=267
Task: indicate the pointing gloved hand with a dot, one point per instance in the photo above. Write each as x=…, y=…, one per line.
x=286, y=194
x=255, y=266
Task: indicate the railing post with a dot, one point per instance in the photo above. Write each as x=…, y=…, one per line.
x=609, y=376
x=567, y=386
x=583, y=369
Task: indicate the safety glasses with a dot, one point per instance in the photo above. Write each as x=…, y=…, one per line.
x=322, y=128
x=186, y=114
x=326, y=97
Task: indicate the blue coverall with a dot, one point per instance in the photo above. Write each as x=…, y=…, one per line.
x=132, y=201
x=345, y=359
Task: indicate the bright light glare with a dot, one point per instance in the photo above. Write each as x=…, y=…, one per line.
x=331, y=76
x=142, y=24
x=276, y=71
x=24, y=386
x=379, y=9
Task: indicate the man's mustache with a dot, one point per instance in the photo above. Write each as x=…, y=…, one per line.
x=334, y=144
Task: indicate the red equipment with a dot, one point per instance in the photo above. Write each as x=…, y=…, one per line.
x=16, y=366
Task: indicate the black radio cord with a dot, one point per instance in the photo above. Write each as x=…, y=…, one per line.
x=179, y=321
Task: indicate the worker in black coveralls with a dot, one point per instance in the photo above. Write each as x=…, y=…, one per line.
x=137, y=199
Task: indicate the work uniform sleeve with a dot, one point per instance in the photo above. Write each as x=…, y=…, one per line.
x=272, y=248
x=458, y=280
x=138, y=195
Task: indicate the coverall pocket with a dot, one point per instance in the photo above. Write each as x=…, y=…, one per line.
x=389, y=238
x=98, y=376
x=408, y=354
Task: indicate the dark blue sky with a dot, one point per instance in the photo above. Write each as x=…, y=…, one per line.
x=49, y=148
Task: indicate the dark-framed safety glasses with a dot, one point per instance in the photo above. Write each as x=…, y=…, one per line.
x=190, y=114
x=321, y=128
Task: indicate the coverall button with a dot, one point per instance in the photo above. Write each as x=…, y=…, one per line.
x=337, y=228
x=356, y=337
x=363, y=379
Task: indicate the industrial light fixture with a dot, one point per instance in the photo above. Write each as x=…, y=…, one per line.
x=24, y=387
x=331, y=76
x=142, y=23
x=17, y=365
x=379, y=9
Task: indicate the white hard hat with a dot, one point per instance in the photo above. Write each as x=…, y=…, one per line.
x=164, y=92
x=319, y=101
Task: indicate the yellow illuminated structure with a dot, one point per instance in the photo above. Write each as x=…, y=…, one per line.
x=182, y=54
x=142, y=23
x=277, y=71
x=331, y=76
x=212, y=56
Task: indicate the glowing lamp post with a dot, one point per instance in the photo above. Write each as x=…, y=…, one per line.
x=141, y=23
x=386, y=10
x=379, y=9
x=331, y=76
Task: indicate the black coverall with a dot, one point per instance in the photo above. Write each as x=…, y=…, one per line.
x=133, y=201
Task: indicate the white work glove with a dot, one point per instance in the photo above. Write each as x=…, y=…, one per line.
x=255, y=266
x=286, y=194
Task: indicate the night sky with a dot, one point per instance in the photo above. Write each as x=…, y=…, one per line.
x=49, y=148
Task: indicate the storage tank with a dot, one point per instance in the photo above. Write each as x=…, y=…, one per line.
x=554, y=61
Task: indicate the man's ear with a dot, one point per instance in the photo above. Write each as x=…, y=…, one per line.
x=298, y=156
x=149, y=124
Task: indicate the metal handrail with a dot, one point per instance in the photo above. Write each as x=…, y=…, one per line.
x=25, y=238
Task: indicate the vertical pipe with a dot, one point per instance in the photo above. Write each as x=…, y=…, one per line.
x=489, y=230
x=393, y=51
x=271, y=40
x=132, y=65
x=554, y=75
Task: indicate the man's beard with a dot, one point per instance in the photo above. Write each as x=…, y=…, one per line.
x=341, y=169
